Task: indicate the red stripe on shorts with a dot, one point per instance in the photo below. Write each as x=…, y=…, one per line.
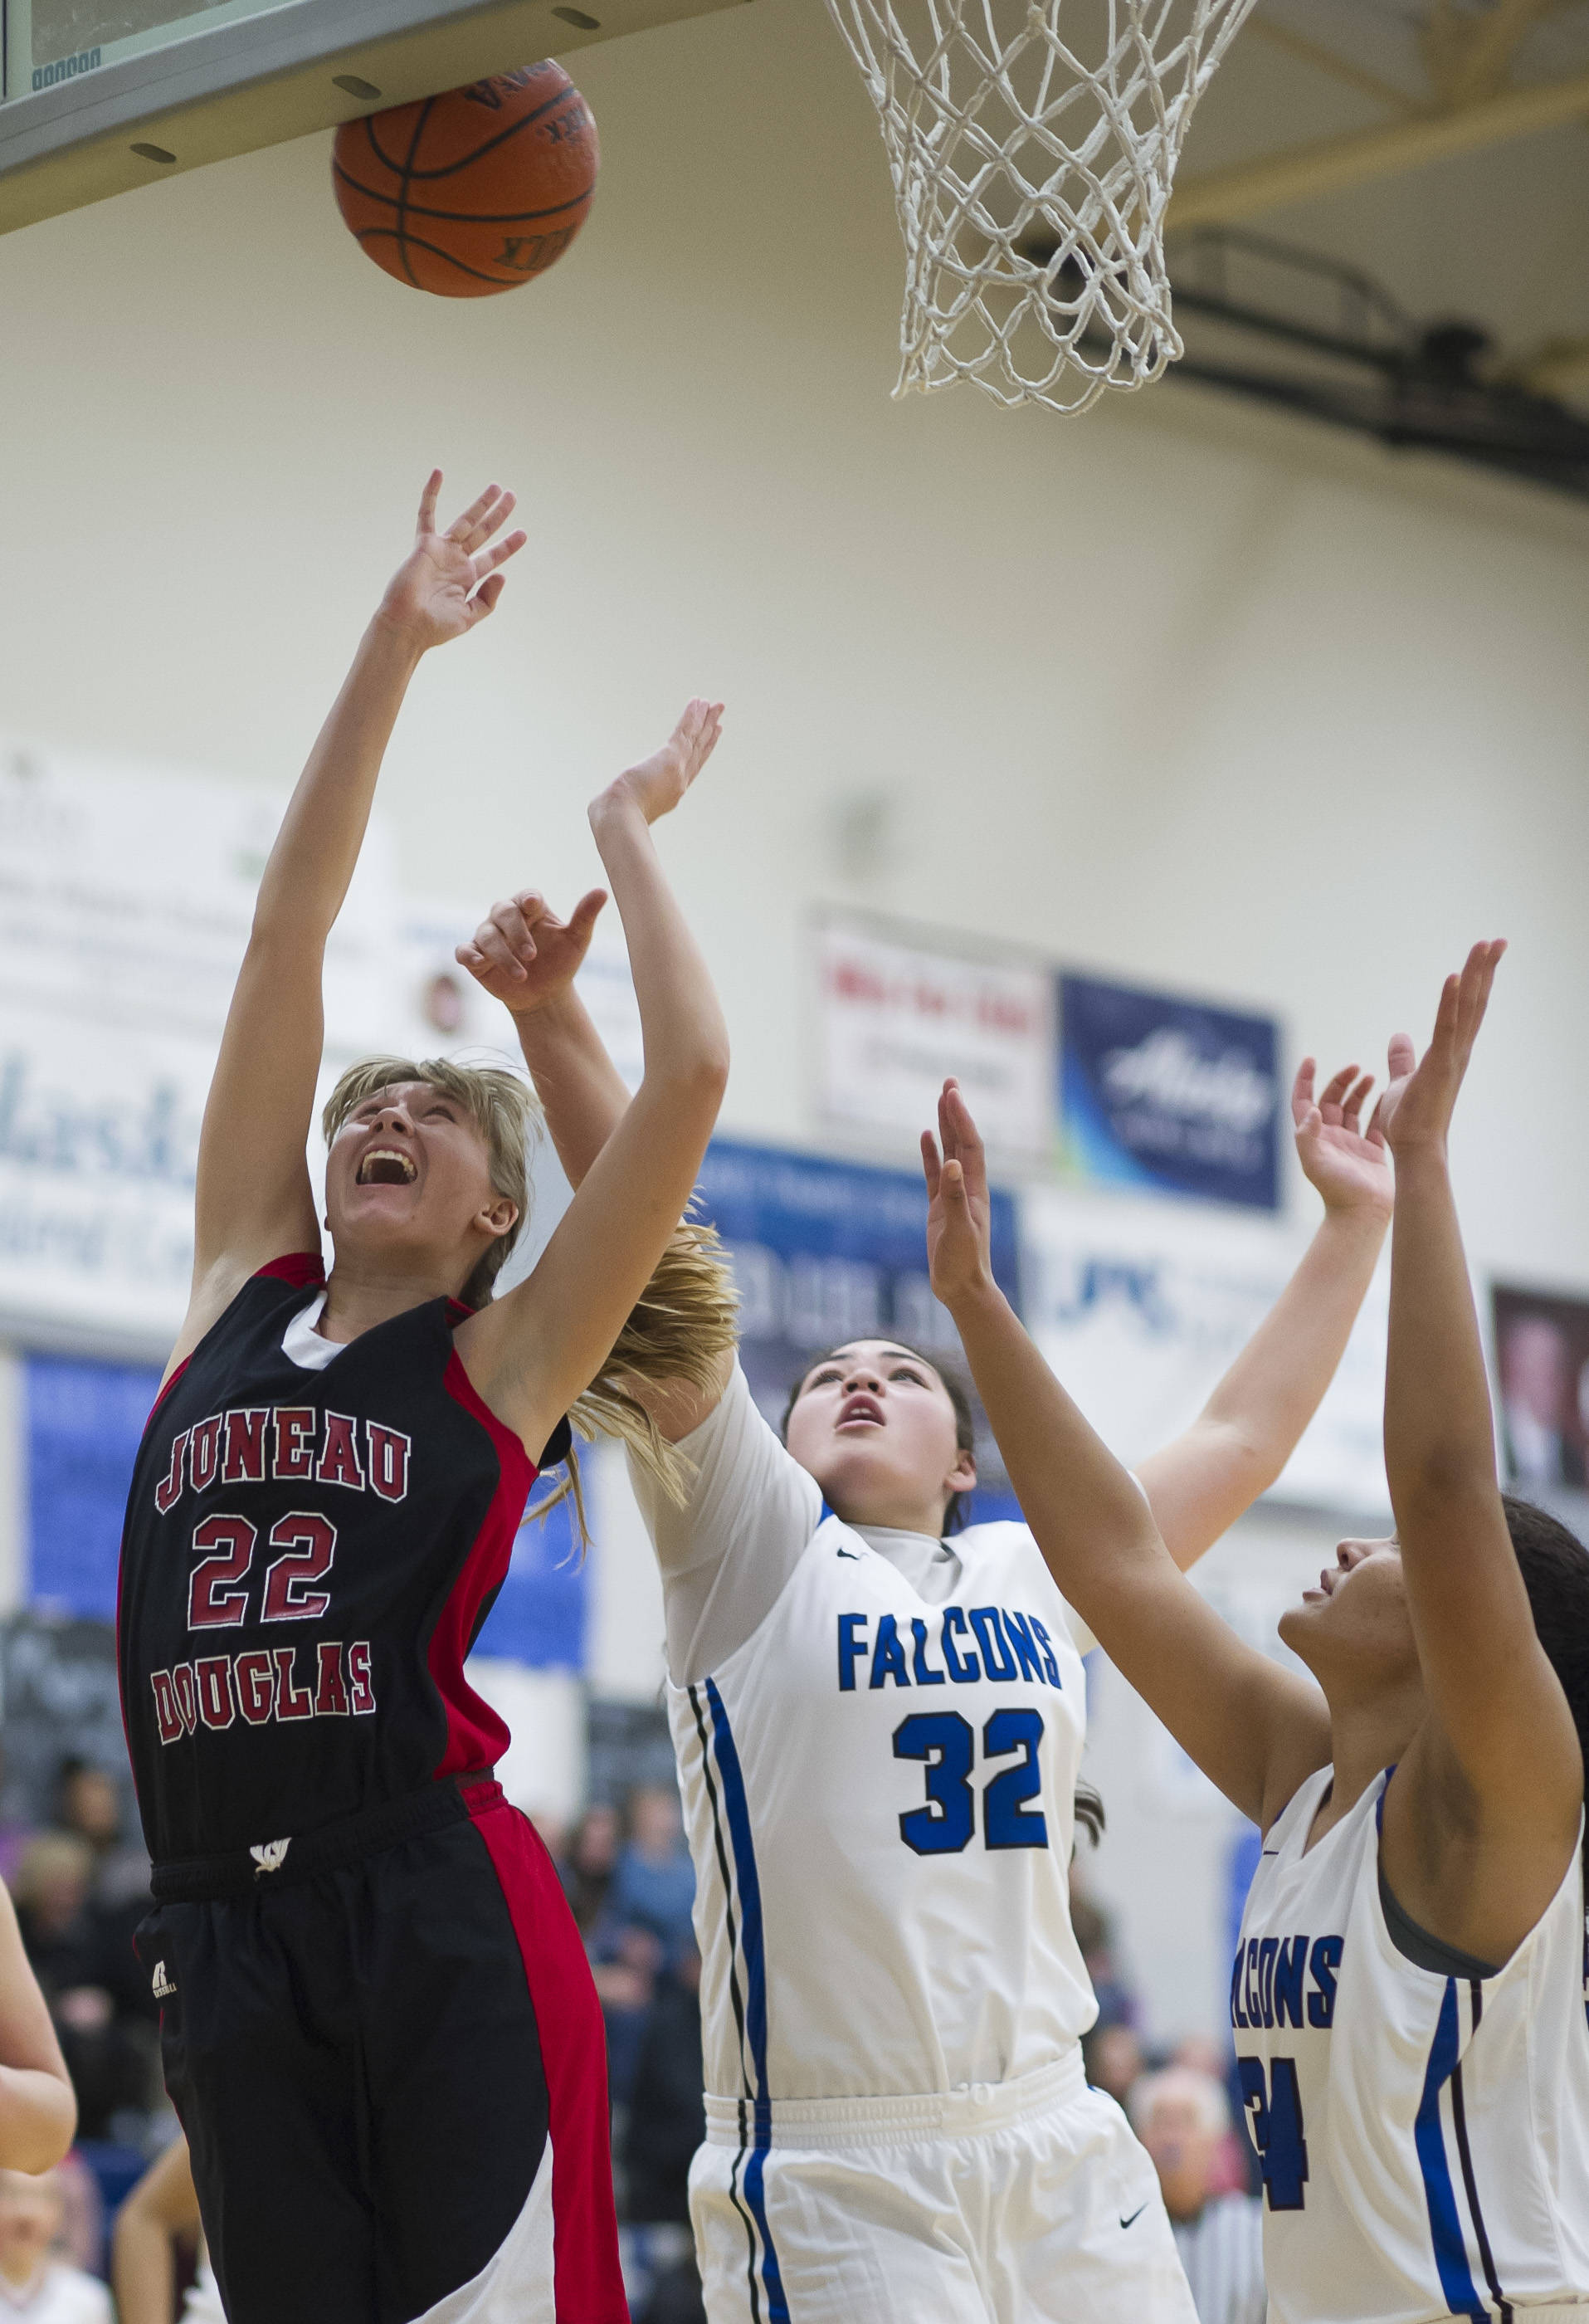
x=588, y=2280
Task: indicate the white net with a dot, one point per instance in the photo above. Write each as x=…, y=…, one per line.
x=1033, y=144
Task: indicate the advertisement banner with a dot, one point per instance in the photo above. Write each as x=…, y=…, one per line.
x=1141, y=1307
x=1168, y=1095
x=125, y=901
x=898, y=1016
x=824, y=1252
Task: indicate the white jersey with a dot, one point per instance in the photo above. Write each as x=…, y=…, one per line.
x=58, y=2294
x=878, y=1789
x=1424, y=2138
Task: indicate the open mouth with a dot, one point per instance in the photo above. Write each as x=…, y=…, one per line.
x=1327, y=1579
x=384, y=1165
x=862, y=1408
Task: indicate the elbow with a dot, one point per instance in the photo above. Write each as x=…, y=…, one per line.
x=698, y=1078
x=1438, y=1482
x=43, y=2128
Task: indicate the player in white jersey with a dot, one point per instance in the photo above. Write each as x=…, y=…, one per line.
x=879, y=1728
x=1410, y=1997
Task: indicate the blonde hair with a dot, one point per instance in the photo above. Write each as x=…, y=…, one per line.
x=676, y=1334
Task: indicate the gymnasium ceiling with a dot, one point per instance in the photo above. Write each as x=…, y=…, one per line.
x=1439, y=146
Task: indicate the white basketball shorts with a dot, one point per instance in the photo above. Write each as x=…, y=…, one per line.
x=1023, y=2202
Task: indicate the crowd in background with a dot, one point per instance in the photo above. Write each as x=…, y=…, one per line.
x=81, y=1884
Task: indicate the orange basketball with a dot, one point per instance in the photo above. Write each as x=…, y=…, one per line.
x=469, y=193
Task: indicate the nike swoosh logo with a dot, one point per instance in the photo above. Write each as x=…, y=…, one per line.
x=852, y=1554
x=1134, y=2216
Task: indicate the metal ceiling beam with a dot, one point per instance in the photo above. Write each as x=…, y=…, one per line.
x=1338, y=67
x=1329, y=165
x=1482, y=57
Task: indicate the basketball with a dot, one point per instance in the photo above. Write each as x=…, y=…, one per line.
x=468, y=193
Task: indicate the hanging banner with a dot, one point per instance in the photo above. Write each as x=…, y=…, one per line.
x=125, y=901
x=898, y=1016
x=1162, y=1093
x=1141, y=1307
x=824, y=1252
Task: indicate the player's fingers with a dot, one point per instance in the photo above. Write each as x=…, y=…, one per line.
x=428, y=500
x=1335, y=1089
x=1376, y=1132
x=930, y=1166
x=1400, y=1057
x=490, y=558
x=515, y=929
x=494, y=947
x=586, y=913
x=1351, y=1106
x=1302, y=1088
x=463, y=527
x=484, y=599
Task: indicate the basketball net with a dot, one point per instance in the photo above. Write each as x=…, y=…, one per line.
x=1032, y=170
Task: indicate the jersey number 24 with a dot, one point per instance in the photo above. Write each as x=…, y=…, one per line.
x=1275, y=2116
x=946, y=1744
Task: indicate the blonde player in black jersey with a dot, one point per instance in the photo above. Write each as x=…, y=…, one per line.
x=377, y=2022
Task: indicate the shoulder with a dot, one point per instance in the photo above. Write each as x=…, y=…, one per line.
x=1010, y=1547
x=229, y=1293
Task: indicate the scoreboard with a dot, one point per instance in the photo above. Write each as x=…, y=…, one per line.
x=100, y=96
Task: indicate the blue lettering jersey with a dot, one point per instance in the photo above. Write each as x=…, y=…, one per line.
x=878, y=1789
x=1424, y=2139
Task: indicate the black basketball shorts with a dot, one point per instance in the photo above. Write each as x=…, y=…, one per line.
x=387, y=2056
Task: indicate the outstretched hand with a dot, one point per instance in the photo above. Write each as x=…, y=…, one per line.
x=451, y=580
x=657, y=784
x=960, y=1215
x=1347, y=1164
x=524, y=955
x=1420, y=1096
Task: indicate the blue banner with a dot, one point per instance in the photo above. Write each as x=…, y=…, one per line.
x=1166, y=1095
x=825, y=1252
x=539, y=1615
x=85, y=1422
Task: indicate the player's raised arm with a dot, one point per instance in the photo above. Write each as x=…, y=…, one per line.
x=1494, y=1776
x=1198, y=1485
x=1252, y=1728
x=253, y=1200
x=527, y=957
x=533, y=1352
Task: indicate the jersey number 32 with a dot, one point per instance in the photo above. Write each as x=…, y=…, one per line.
x=946, y=1744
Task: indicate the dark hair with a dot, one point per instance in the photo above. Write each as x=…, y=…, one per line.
x=1555, y=1567
x=960, y=1396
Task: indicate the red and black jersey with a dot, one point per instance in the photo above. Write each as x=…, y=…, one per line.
x=308, y=1557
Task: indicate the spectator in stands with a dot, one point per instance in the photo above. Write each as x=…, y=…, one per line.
x=34, y=2282
x=1114, y=2060
x=654, y=1881
x=158, y=2233
x=586, y=1869
x=90, y=1980
x=624, y=1962
x=666, y=2116
x=1182, y=2117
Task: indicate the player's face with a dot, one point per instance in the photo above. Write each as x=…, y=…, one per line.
x=409, y=1170
x=876, y=1428
x=1357, y=1615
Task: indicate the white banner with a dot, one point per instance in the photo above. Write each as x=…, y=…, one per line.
x=898, y=1017
x=126, y=899
x=1141, y=1307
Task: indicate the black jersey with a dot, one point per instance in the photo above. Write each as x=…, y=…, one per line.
x=308, y=1557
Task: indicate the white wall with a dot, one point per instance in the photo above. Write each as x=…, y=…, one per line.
x=1180, y=689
